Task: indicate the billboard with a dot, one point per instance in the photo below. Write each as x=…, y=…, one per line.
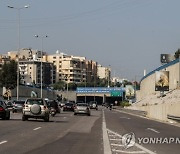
x=166, y=58
x=162, y=81
x=130, y=92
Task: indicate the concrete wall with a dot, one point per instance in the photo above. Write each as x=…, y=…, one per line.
x=147, y=85
x=160, y=111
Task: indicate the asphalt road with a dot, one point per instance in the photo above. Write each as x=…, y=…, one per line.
x=121, y=123
x=65, y=133
x=102, y=132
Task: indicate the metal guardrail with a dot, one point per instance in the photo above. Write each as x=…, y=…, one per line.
x=173, y=117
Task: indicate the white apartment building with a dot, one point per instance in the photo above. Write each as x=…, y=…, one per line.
x=69, y=68
x=103, y=72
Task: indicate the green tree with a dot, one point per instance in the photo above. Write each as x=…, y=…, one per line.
x=59, y=85
x=8, y=75
x=177, y=53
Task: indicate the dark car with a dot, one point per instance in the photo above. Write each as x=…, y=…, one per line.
x=9, y=105
x=4, y=112
x=68, y=107
x=18, y=105
x=93, y=105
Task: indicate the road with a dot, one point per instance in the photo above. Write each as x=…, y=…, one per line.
x=99, y=133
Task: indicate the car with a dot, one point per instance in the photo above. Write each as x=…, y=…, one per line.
x=68, y=107
x=93, y=105
x=82, y=108
x=35, y=108
x=18, y=105
x=9, y=105
x=4, y=111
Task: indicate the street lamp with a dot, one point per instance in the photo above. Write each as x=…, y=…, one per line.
x=18, y=12
x=42, y=39
x=108, y=75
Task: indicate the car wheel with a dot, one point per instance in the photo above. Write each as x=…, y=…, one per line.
x=75, y=113
x=24, y=118
x=8, y=117
x=89, y=114
x=46, y=118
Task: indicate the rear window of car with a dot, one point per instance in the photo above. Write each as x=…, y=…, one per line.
x=69, y=104
x=32, y=101
x=19, y=102
x=82, y=104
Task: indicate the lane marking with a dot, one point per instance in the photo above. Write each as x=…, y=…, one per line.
x=153, y=130
x=137, y=145
x=37, y=128
x=107, y=148
x=125, y=118
x=115, y=139
x=128, y=151
x=117, y=145
x=3, y=142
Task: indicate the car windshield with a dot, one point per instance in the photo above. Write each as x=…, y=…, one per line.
x=1, y=103
x=35, y=101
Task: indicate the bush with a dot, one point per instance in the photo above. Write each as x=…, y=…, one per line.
x=124, y=104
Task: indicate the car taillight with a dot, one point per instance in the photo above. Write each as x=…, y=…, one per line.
x=1, y=109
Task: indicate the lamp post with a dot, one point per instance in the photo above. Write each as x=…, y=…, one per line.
x=108, y=75
x=42, y=39
x=18, y=13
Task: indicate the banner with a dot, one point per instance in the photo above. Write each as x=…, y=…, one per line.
x=162, y=81
x=130, y=92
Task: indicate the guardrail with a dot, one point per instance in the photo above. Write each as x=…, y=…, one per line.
x=173, y=117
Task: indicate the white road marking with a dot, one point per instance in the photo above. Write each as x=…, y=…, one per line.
x=37, y=128
x=115, y=139
x=107, y=148
x=128, y=151
x=153, y=130
x=3, y=142
x=137, y=145
x=125, y=118
x=117, y=145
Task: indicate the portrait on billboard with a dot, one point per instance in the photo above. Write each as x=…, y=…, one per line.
x=162, y=81
x=130, y=92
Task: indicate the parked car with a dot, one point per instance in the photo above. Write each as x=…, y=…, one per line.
x=4, y=111
x=18, y=105
x=68, y=107
x=82, y=108
x=93, y=105
x=35, y=108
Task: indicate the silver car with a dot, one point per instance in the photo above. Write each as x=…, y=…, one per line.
x=35, y=108
x=82, y=108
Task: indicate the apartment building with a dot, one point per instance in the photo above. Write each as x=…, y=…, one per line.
x=30, y=72
x=72, y=68
x=104, y=72
x=30, y=67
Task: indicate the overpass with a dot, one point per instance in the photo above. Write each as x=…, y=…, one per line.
x=100, y=94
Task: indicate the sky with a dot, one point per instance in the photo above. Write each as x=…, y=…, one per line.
x=126, y=35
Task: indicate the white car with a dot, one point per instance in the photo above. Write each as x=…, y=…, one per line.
x=35, y=108
x=82, y=108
